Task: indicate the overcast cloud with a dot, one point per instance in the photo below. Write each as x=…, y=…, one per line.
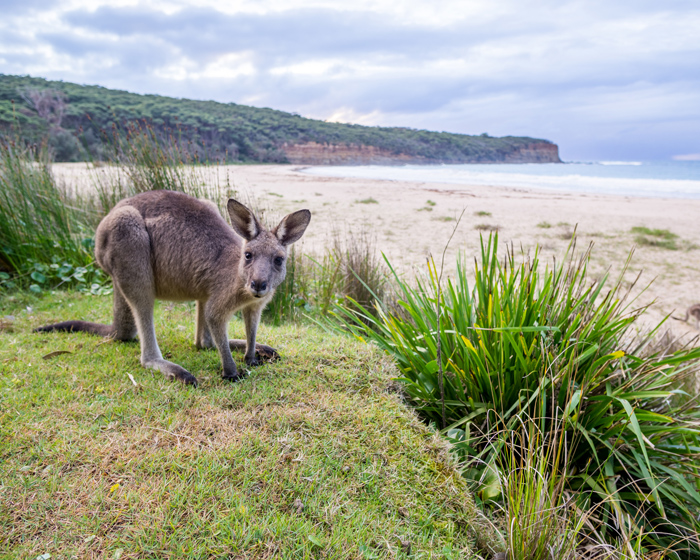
x=605, y=80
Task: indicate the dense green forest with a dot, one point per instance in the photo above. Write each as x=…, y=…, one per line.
x=80, y=122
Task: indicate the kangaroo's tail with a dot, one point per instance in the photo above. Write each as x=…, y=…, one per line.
x=79, y=326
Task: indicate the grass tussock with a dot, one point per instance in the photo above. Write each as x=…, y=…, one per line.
x=144, y=159
x=661, y=238
x=529, y=344
x=45, y=233
x=310, y=457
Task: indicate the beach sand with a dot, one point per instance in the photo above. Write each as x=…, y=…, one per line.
x=411, y=220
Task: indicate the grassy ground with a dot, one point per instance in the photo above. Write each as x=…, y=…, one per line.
x=311, y=457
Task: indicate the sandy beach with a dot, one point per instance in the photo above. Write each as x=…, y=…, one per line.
x=411, y=220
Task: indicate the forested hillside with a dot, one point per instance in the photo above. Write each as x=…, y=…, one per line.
x=79, y=121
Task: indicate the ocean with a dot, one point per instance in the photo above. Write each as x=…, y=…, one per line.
x=660, y=179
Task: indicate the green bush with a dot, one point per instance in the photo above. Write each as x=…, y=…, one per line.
x=533, y=345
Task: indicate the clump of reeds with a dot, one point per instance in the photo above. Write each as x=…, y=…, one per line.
x=349, y=269
x=532, y=343
x=45, y=236
x=144, y=158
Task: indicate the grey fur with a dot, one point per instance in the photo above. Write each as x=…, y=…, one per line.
x=170, y=246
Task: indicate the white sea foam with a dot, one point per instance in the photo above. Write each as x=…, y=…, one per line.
x=665, y=179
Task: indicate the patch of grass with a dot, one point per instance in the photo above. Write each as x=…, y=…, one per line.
x=275, y=194
x=486, y=227
x=430, y=203
x=544, y=225
x=563, y=224
x=443, y=219
x=425, y=209
x=482, y=213
x=661, y=238
x=367, y=201
x=309, y=457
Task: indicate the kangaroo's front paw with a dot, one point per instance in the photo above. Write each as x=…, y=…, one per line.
x=265, y=353
x=232, y=375
x=254, y=361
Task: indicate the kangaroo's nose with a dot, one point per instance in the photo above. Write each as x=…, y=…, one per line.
x=258, y=286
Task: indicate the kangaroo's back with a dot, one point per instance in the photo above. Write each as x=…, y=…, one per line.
x=189, y=241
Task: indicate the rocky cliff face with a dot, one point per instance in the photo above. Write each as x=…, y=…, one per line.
x=536, y=152
x=313, y=153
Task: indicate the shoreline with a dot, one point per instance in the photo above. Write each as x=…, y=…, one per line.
x=657, y=180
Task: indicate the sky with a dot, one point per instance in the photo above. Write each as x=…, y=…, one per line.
x=605, y=80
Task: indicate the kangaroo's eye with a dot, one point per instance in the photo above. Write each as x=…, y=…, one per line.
x=248, y=256
x=279, y=261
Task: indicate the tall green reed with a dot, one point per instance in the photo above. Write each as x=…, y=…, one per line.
x=45, y=237
x=144, y=158
x=532, y=344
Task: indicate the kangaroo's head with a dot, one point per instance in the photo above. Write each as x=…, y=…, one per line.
x=263, y=262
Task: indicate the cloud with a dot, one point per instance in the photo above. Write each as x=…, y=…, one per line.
x=584, y=74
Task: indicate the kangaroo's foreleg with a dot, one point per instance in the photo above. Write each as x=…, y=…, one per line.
x=254, y=353
x=216, y=318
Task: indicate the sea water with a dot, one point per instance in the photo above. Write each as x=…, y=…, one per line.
x=662, y=179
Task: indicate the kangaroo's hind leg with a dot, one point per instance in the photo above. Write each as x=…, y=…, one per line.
x=124, y=324
x=125, y=252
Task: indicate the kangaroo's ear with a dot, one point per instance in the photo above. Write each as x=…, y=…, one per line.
x=292, y=227
x=243, y=220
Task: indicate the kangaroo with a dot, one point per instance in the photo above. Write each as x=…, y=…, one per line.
x=170, y=246
x=694, y=312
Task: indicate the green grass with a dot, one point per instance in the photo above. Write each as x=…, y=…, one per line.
x=310, y=457
x=482, y=213
x=661, y=238
x=544, y=225
x=369, y=200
